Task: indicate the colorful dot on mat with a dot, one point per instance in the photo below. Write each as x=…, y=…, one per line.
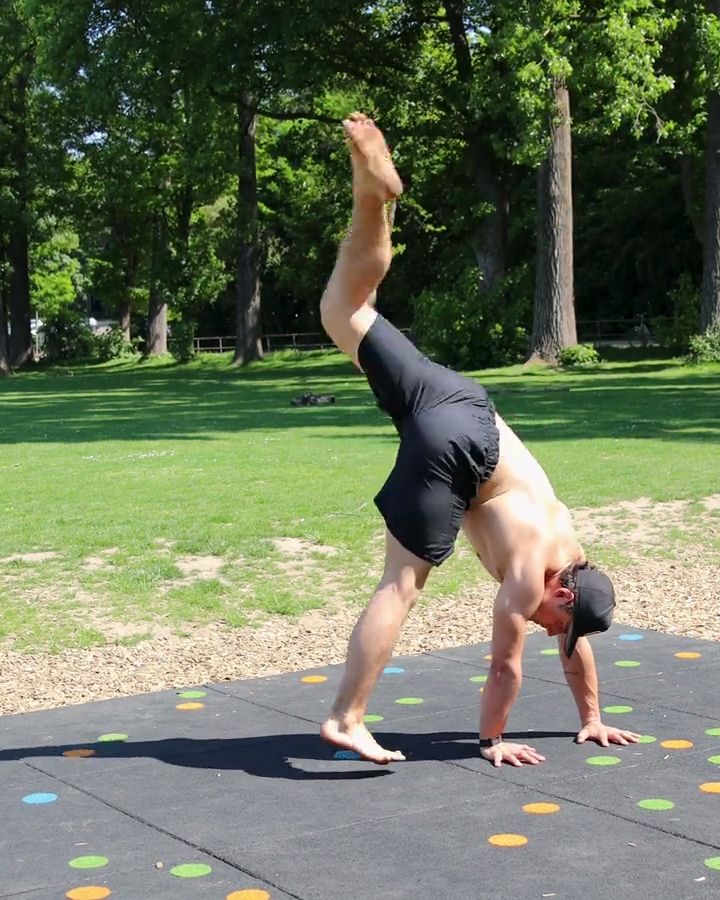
x=646, y=739
x=192, y=695
x=113, y=736
x=714, y=759
x=81, y=753
x=710, y=787
x=190, y=705
x=248, y=895
x=541, y=809
x=191, y=870
x=409, y=701
x=88, y=862
x=346, y=754
x=314, y=679
x=393, y=670
x=688, y=654
x=371, y=717
x=39, y=798
x=617, y=709
x=88, y=893
x=656, y=803
x=479, y=679
x=550, y=651
x=507, y=840
x=631, y=637
x=602, y=760
x=487, y=656
x=713, y=732
x=713, y=862
x=627, y=663
x=676, y=745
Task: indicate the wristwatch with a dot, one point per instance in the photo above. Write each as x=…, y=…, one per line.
x=490, y=742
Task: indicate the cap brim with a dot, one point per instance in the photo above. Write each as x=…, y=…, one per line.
x=571, y=638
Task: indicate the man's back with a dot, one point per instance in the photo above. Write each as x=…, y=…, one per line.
x=516, y=514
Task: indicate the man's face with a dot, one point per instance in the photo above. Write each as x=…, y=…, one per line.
x=555, y=611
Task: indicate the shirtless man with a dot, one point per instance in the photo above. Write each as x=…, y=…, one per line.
x=458, y=465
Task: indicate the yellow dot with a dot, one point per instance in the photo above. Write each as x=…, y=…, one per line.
x=676, y=745
x=507, y=840
x=314, y=679
x=688, y=654
x=710, y=787
x=488, y=656
x=88, y=893
x=82, y=753
x=541, y=809
x=248, y=895
x=190, y=706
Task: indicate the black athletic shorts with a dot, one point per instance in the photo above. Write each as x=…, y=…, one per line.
x=449, y=442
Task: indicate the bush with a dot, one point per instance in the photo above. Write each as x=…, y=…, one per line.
x=181, y=340
x=68, y=336
x=112, y=344
x=579, y=355
x=674, y=331
x=705, y=348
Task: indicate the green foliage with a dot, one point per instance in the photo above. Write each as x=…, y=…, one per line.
x=579, y=355
x=56, y=276
x=67, y=336
x=674, y=331
x=705, y=348
x=466, y=328
x=180, y=341
x=111, y=344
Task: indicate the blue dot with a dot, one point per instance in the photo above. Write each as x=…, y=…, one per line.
x=631, y=637
x=393, y=670
x=39, y=798
x=346, y=754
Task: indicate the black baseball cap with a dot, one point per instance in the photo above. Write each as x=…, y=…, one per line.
x=593, y=607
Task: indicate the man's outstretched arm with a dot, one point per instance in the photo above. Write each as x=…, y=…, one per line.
x=581, y=676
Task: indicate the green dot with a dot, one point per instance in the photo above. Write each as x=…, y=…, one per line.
x=113, y=736
x=479, y=678
x=550, y=651
x=656, y=803
x=714, y=759
x=646, y=739
x=617, y=709
x=713, y=862
x=627, y=663
x=410, y=701
x=371, y=717
x=191, y=870
x=713, y=732
x=602, y=760
x=88, y=862
x=192, y=695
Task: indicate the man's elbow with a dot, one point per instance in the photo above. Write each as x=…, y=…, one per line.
x=507, y=672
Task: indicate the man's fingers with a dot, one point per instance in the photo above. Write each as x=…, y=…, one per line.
x=511, y=758
x=582, y=737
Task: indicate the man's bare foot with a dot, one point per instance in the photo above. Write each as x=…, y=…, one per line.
x=358, y=738
x=373, y=168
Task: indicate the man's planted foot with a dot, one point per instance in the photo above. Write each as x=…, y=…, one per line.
x=356, y=737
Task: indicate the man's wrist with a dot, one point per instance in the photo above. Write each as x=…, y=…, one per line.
x=490, y=742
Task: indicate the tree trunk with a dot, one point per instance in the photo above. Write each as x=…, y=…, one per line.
x=5, y=367
x=710, y=306
x=21, y=343
x=490, y=242
x=157, y=306
x=248, y=346
x=554, y=315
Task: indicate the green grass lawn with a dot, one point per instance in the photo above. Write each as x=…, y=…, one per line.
x=124, y=471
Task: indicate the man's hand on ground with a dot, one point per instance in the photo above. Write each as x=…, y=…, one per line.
x=605, y=735
x=513, y=754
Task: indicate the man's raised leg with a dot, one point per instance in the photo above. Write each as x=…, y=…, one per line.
x=370, y=648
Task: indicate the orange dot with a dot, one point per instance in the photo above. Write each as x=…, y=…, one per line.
x=190, y=706
x=688, y=654
x=82, y=753
x=710, y=787
x=507, y=840
x=314, y=679
x=88, y=893
x=248, y=895
x=676, y=745
x=541, y=809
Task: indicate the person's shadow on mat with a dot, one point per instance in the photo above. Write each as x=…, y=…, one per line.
x=278, y=755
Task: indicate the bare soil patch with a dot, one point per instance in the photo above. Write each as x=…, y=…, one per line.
x=668, y=580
